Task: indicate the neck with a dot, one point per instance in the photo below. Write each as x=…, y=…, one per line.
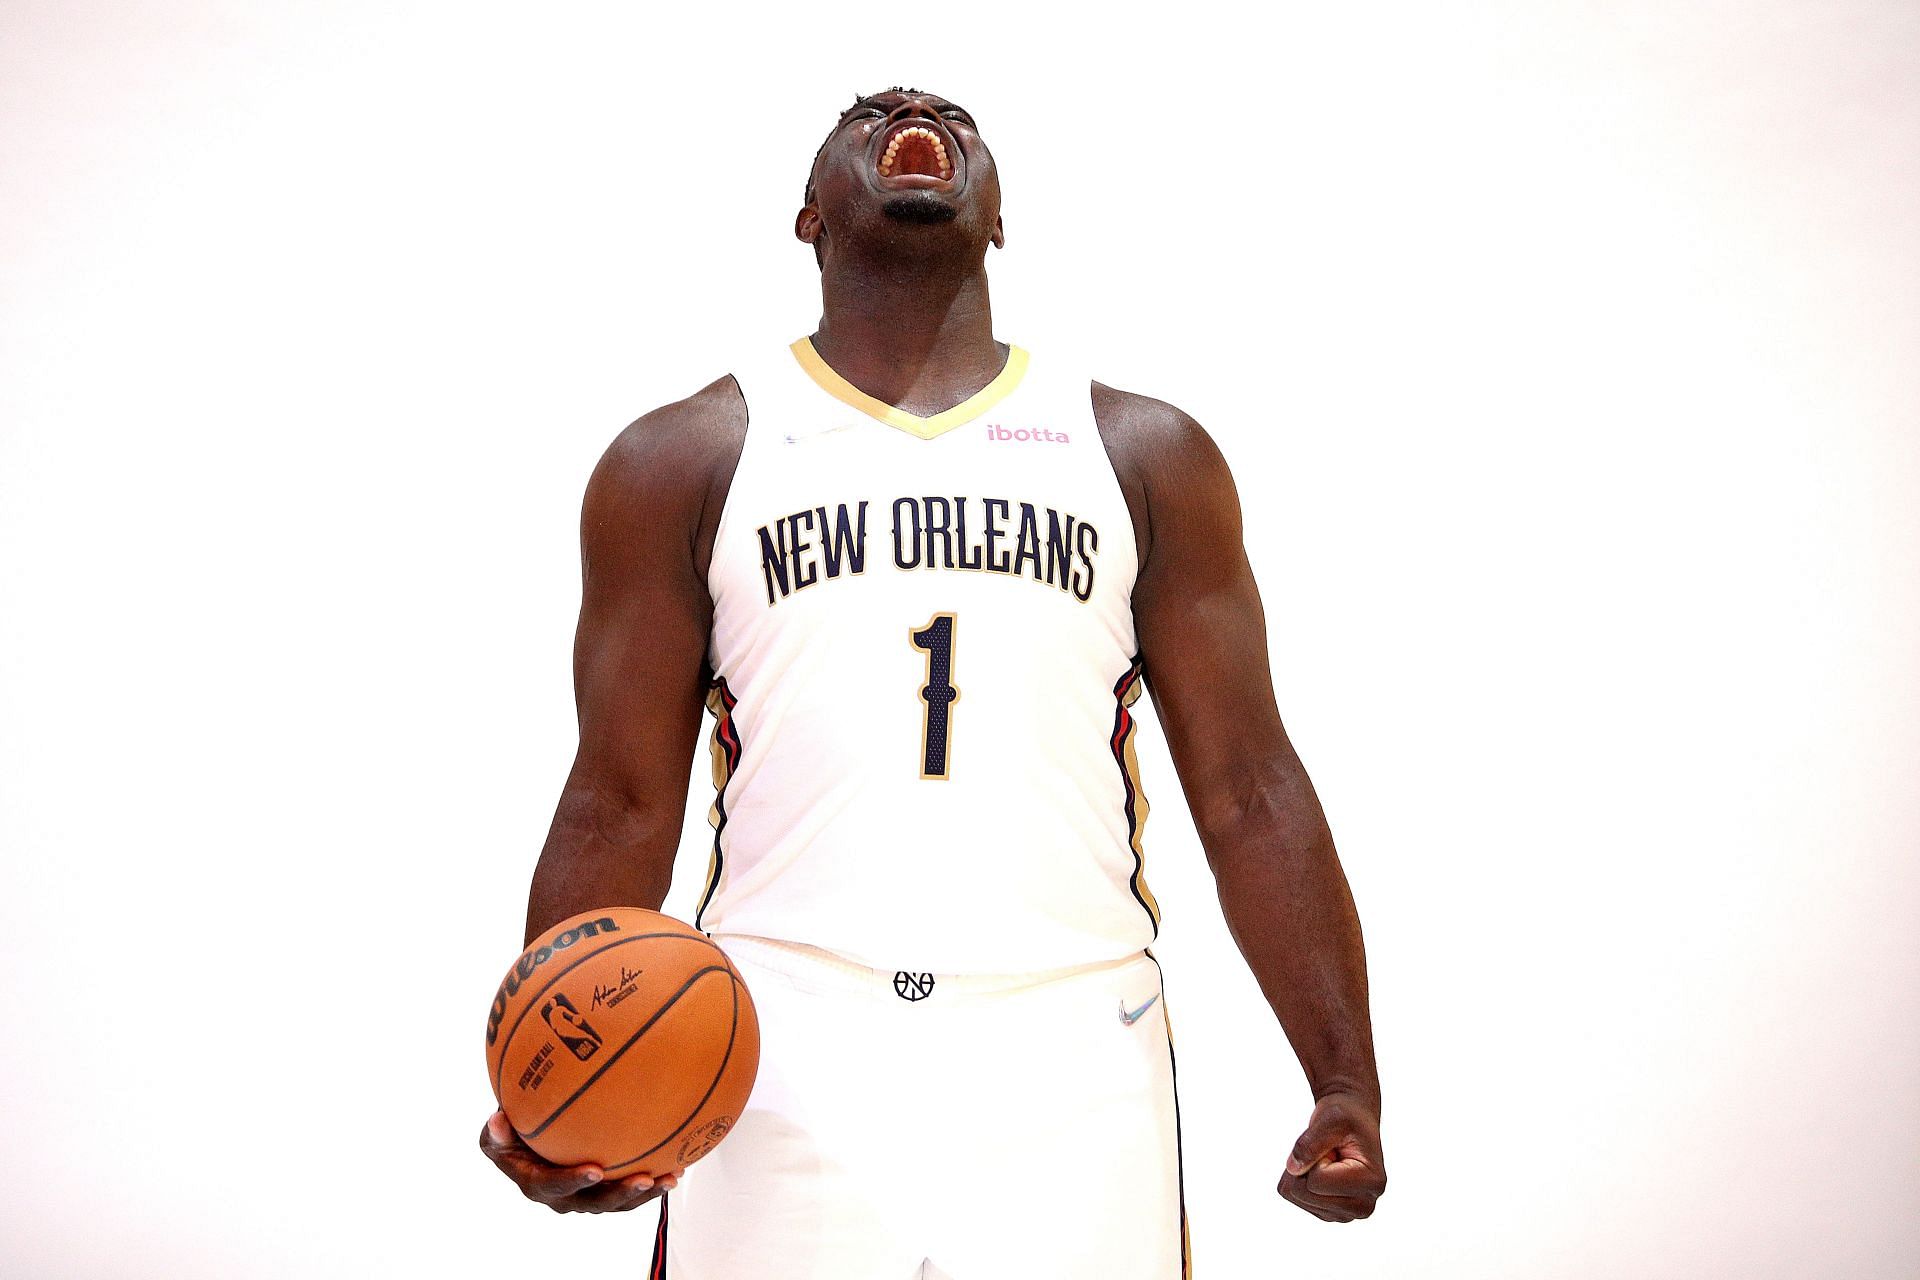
x=917, y=335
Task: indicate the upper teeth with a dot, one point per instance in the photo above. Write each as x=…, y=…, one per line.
x=911, y=131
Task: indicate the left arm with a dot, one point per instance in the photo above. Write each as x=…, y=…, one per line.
x=1203, y=640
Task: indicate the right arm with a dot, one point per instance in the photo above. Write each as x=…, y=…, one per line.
x=640, y=678
x=639, y=668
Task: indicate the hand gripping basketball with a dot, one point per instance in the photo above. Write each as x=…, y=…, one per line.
x=580, y=1188
x=1336, y=1171
x=622, y=1042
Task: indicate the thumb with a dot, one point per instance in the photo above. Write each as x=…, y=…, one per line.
x=1322, y=1135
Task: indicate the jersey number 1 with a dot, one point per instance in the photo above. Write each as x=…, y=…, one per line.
x=938, y=693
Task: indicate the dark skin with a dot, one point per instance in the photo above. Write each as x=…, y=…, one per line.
x=906, y=319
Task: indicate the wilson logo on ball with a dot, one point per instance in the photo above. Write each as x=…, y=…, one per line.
x=531, y=960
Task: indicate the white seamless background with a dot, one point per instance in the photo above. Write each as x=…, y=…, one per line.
x=1565, y=356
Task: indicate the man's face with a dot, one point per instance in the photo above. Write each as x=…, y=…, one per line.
x=903, y=158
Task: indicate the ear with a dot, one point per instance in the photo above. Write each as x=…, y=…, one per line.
x=999, y=233
x=807, y=226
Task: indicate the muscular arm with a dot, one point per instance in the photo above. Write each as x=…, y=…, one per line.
x=1204, y=643
x=639, y=670
x=639, y=658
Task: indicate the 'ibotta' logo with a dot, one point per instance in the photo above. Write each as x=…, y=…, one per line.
x=1030, y=435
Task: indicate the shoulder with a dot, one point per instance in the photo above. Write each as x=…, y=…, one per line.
x=676, y=451
x=1151, y=434
x=669, y=469
x=1165, y=459
x=676, y=443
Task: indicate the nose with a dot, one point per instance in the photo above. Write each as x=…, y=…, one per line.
x=909, y=109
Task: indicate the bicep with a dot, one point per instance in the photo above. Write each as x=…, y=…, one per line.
x=640, y=647
x=1203, y=637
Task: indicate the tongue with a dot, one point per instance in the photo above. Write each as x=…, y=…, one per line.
x=916, y=155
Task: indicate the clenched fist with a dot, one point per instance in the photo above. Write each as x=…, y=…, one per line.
x=1336, y=1171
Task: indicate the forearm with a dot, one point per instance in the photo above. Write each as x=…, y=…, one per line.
x=605, y=849
x=1290, y=910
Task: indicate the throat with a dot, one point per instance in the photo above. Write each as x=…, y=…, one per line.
x=922, y=383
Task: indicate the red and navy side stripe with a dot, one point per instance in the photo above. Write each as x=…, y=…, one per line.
x=658, y=1271
x=726, y=760
x=1126, y=691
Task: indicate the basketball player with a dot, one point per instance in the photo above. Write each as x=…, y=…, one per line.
x=918, y=577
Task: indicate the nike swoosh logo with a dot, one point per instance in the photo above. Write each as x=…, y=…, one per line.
x=1129, y=1019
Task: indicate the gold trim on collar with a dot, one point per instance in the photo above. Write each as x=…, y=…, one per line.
x=966, y=411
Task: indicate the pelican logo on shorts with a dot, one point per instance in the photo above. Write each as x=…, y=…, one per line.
x=570, y=1026
x=912, y=986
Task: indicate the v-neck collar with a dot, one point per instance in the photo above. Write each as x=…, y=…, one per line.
x=966, y=411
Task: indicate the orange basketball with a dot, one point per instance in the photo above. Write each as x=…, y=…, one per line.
x=622, y=1038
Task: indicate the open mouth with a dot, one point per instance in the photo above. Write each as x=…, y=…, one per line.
x=916, y=150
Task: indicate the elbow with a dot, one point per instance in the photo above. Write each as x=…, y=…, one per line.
x=1226, y=817
x=1262, y=818
x=620, y=815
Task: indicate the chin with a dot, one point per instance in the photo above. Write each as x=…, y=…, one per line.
x=920, y=206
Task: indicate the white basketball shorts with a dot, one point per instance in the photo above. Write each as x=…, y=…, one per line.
x=941, y=1127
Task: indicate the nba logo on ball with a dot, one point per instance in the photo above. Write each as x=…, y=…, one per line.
x=570, y=1026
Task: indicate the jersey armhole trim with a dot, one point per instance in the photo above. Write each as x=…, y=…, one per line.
x=733, y=483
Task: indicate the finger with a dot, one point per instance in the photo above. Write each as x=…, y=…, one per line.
x=498, y=1132
x=542, y=1179
x=1326, y=1208
x=506, y=1146
x=665, y=1181
x=1349, y=1177
x=537, y=1177
x=1326, y=1214
x=515, y=1158
x=1311, y=1146
x=554, y=1181
x=613, y=1197
x=1346, y=1207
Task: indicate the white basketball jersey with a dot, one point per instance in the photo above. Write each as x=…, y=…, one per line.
x=924, y=653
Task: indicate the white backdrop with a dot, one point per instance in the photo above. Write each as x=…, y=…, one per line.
x=1566, y=357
